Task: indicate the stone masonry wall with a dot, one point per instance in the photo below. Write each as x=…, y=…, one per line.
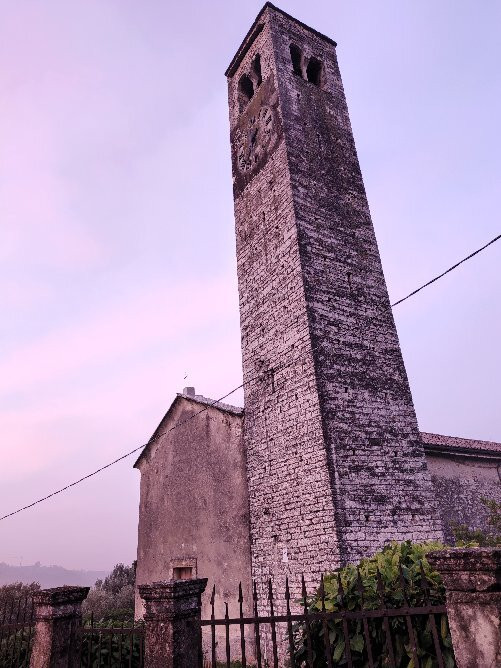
x=335, y=466
x=378, y=470
x=292, y=516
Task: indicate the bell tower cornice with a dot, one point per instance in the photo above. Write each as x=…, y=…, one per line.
x=256, y=28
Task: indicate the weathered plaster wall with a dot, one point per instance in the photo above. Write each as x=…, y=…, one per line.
x=194, y=503
x=460, y=482
x=463, y=471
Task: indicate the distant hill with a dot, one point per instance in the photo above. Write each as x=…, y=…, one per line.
x=48, y=576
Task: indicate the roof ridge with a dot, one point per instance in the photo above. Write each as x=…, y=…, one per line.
x=207, y=401
x=459, y=441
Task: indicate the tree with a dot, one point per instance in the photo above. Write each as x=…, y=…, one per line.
x=113, y=597
x=121, y=576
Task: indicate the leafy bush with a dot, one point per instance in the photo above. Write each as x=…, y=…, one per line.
x=121, y=576
x=110, y=604
x=109, y=607
x=395, y=561
x=15, y=646
x=105, y=649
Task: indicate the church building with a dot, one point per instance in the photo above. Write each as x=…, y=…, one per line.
x=325, y=463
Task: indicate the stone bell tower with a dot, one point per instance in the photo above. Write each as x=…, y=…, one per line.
x=334, y=462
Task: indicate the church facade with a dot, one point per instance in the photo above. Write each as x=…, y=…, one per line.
x=326, y=463
x=194, y=507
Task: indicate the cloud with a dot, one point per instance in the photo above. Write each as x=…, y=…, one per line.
x=114, y=371
x=160, y=313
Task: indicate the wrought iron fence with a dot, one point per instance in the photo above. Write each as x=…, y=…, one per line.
x=304, y=635
x=320, y=631
x=112, y=644
x=98, y=644
x=16, y=633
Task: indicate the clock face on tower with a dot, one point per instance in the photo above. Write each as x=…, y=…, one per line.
x=255, y=135
x=253, y=141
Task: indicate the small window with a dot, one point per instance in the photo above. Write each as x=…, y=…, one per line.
x=183, y=568
x=245, y=88
x=182, y=573
x=296, y=58
x=256, y=68
x=314, y=71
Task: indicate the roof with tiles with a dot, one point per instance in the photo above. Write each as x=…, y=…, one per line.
x=437, y=442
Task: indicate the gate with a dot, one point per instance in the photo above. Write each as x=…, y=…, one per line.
x=303, y=635
x=323, y=630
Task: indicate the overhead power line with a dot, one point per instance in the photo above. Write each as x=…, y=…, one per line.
x=216, y=401
x=119, y=459
x=154, y=438
x=455, y=266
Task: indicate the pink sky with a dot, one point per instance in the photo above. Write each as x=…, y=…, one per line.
x=116, y=231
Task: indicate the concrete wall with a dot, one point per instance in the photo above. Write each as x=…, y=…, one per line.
x=194, y=504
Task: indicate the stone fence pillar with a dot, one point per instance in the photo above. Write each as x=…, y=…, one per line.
x=173, y=635
x=58, y=613
x=472, y=578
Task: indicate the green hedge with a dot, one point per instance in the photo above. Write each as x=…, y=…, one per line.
x=120, y=652
x=394, y=562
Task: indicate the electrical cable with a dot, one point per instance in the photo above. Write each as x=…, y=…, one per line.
x=454, y=266
x=216, y=401
x=154, y=438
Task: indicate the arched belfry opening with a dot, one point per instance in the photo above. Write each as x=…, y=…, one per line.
x=256, y=70
x=245, y=90
x=296, y=57
x=314, y=71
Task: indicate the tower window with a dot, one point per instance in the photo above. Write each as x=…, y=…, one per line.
x=296, y=58
x=314, y=71
x=245, y=89
x=256, y=68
